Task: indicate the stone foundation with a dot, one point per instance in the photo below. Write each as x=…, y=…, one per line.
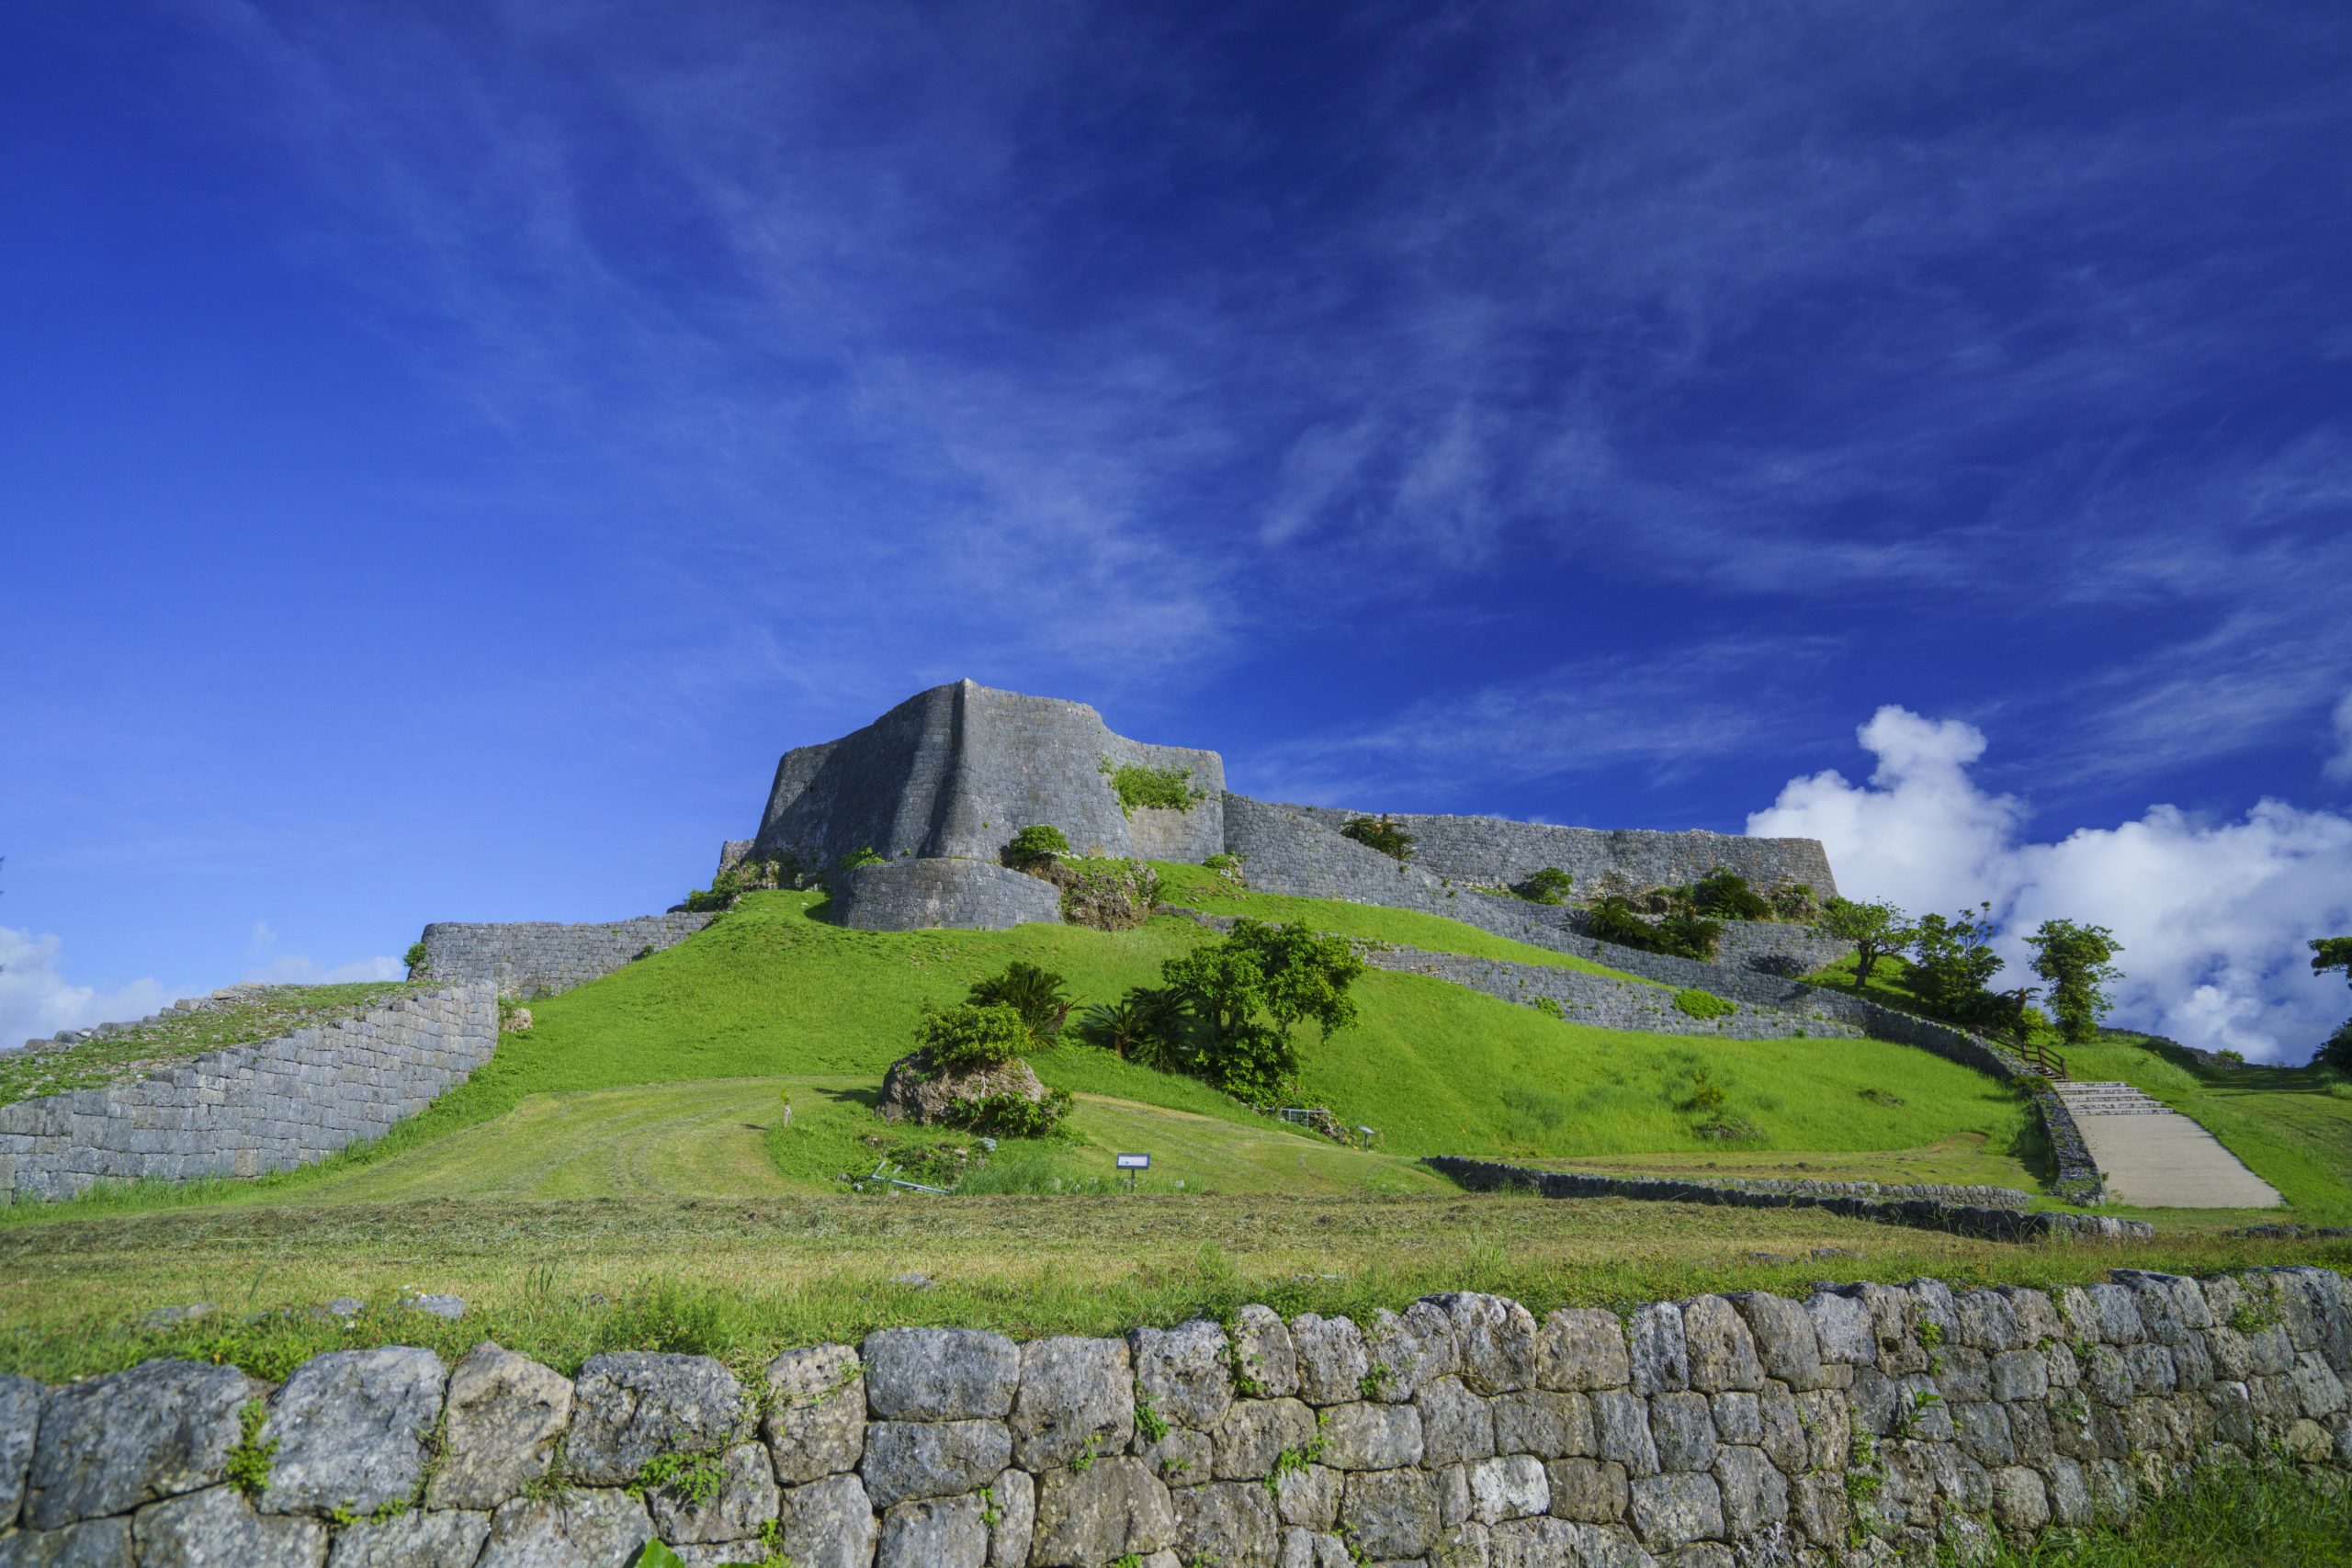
x=539, y=958
x=1863, y=1423
x=907, y=894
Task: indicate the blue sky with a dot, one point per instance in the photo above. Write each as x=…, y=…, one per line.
x=448, y=451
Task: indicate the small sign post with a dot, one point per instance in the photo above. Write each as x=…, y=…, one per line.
x=1132, y=1163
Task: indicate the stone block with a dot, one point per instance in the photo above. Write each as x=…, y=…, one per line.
x=1661, y=1352
x=1621, y=1422
x=1390, y=1513
x=1511, y=1487
x=1255, y=1432
x=1494, y=1340
x=1265, y=1361
x=1226, y=1523
x=828, y=1524
x=1545, y=1424
x=95, y=1543
x=1409, y=1350
x=629, y=1406
x=1088, y=1517
x=19, y=1415
x=442, y=1539
x=113, y=1443
x=1786, y=1346
x=1669, y=1511
x=815, y=1425
x=1077, y=1396
x=1591, y=1489
x=1372, y=1437
x=1755, y=1497
x=1330, y=1357
x=1183, y=1371
x=905, y=1460
x=1581, y=1350
x=1309, y=1496
x=217, y=1528
x=1457, y=1424
x=1683, y=1429
x=1011, y=1516
x=577, y=1530
x=350, y=1428
x=746, y=1500
x=940, y=1374
x=944, y=1532
x=1721, y=1349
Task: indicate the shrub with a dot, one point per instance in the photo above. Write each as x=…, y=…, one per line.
x=1703, y=1004
x=1108, y=895
x=1038, y=995
x=1795, y=901
x=1690, y=936
x=1147, y=1026
x=1613, y=919
x=415, y=958
x=1035, y=845
x=972, y=1036
x=1226, y=865
x=1382, y=833
x=1549, y=885
x=1549, y=1007
x=1014, y=1115
x=1726, y=895
x=1135, y=785
x=1706, y=1096
x=1246, y=995
x=2338, y=1052
x=857, y=858
x=750, y=877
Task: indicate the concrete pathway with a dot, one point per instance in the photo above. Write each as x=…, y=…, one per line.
x=2155, y=1157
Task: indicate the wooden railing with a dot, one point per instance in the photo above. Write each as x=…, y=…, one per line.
x=2043, y=1060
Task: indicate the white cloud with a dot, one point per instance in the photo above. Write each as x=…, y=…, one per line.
x=2212, y=916
x=2340, y=767
x=294, y=969
x=35, y=1001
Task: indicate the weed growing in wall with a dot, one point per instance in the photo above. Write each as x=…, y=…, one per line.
x=1382, y=833
x=1171, y=789
x=1703, y=1004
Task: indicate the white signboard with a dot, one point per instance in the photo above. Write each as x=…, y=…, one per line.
x=1134, y=1162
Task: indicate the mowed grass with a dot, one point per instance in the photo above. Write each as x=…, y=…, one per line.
x=2293, y=1126
x=744, y=1277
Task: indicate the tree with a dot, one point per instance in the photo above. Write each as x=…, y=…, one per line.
x=2336, y=952
x=970, y=1038
x=2076, y=961
x=1952, y=964
x=1246, y=993
x=1877, y=931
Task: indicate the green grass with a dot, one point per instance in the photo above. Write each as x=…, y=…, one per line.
x=2291, y=1126
x=2230, y=1517
x=1198, y=887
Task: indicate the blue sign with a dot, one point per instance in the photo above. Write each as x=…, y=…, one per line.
x=1134, y=1162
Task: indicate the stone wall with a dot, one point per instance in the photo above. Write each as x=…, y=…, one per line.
x=251, y=1110
x=1863, y=1421
x=1599, y=1001
x=1961, y=1210
x=539, y=958
x=906, y=894
x=956, y=771
x=1497, y=851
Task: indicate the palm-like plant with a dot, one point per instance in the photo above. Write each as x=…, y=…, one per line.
x=1038, y=995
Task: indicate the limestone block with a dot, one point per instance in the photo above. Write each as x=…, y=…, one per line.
x=1183, y=1371
x=815, y=1420
x=1786, y=1345
x=1088, y=1517
x=1511, y=1487
x=350, y=1427
x=1683, y=1429
x=940, y=1374
x=441, y=1539
x=944, y=1532
x=1591, y=1489
x=1181, y=1457
x=1786, y=1441
x=1229, y=1522
x=1457, y=1424
x=1494, y=1338
x=2020, y=1501
x=1673, y=1510
x=1390, y=1513
x=1661, y=1353
x=2115, y=1314
x=1263, y=1354
x=217, y=1529
x=828, y=1524
x=1739, y=1417
x=1076, y=1396
x=1409, y=1350
x=1721, y=1349
x=1331, y=1359
x=746, y=1500
x=1372, y=1437
x=19, y=1415
x=1621, y=1422
x=505, y=1413
x=1255, y=1432
x=1546, y=1425
x=629, y=1406
x=577, y=1530
x=112, y=1443
x=2017, y=1374
x=1013, y=1499
x=905, y=1460
x=1755, y=1495
x=1579, y=1350
x=1309, y=1496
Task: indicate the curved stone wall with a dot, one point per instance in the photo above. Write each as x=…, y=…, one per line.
x=251, y=1110
x=1497, y=851
x=906, y=894
x=539, y=958
x=1860, y=1422
x=956, y=771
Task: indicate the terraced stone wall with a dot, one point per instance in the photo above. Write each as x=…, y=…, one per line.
x=539, y=958
x=250, y=1109
x=1497, y=851
x=907, y=894
x=1864, y=1421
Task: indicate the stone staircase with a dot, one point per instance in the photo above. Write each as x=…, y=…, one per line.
x=2153, y=1157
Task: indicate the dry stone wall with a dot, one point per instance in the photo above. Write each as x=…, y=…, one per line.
x=539, y=958
x=907, y=894
x=250, y=1109
x=1601, y=1002
x=1862, y=1423
x=1497, y=851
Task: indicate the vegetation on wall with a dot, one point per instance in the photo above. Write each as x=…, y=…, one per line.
x=1036, y=845
x=1382, y=833
x=1682, y=934
x=1136, y=784
x=748, y=876
x=1549, y=885
x=1109, y=895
